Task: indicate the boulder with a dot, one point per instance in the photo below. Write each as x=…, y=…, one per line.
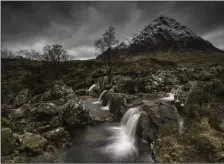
x=21, y=98
x=116, y=104
x=33, y=143
x=59, y=136
x=59, y=90
x=183, y=77
x=145, y=128
x=160, y=113
x=23, y=111
x=47, y=108
x=74, y=112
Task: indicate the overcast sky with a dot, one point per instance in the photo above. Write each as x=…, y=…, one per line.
x=76, y=25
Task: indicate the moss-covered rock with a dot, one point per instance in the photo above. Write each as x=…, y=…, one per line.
x=22, y=97
x=33, y=143
x=7, y=141
x=74, y=112
x=5, y=122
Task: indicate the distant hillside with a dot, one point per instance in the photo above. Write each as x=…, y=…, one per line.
x=163, y=34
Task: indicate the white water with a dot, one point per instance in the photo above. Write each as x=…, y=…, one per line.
x=122, y=146
x=169, y=98
x=171, y=95
x=106, y=107
x=91, y=88
x=99, y=101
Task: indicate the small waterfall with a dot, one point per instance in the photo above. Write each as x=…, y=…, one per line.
x=122, y=143
x=99, y=101
x=106, y=107
x=180, y=120
x=127, y=115
x=171, y=95
x=130, y=127
x=91, y=88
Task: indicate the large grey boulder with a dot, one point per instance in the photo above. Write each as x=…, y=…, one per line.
x=74, y=112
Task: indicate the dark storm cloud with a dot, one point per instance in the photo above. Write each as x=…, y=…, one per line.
x=76, y=25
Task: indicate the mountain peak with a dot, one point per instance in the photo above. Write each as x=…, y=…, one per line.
x=166, y=34
x=163, y=18
x=166, y=21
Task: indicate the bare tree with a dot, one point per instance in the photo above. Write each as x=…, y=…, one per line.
x=56, y=54
x=29, y=55
x=6, y=54
x=105, y=45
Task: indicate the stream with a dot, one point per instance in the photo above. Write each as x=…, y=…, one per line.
x=106, y=142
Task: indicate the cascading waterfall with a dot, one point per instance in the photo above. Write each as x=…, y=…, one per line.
x=122, y=143
x=91, y=88
x=99, y=101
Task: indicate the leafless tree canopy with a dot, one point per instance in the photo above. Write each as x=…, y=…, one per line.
x=6, y=54
x=55, y=53
x=105, y=45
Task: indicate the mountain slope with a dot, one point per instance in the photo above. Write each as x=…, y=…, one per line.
x=163, y=34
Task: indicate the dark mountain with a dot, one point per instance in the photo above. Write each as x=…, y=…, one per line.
x=163, y=34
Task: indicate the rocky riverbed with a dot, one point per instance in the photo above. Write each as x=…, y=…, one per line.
x=181, y=108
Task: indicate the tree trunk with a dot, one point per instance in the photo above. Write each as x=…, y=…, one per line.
x=109, y=72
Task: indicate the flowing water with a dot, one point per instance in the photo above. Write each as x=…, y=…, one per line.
x=108, y=142
x=95, y=109
x=107, y=107
x=122, y=146
x=99, y=101
x=171, y=95
x=91, y=88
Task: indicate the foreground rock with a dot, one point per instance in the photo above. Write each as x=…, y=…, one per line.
x=33, y=126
